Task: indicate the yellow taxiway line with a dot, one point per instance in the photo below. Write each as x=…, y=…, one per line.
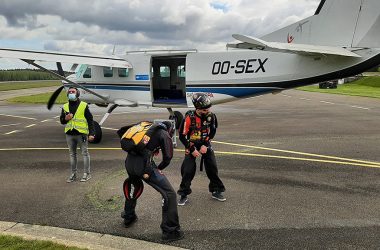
x=299, y=153
x=338, y=160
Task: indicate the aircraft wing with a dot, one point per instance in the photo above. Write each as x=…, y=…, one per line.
x=248, y=42
x=63, y=57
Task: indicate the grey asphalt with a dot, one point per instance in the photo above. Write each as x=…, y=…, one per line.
x=301, y=170
x=77, y=238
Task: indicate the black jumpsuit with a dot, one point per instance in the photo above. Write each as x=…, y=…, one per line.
x=138, y=164
x=188, y=167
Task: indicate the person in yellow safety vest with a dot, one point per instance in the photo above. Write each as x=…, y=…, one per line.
x=79, y=130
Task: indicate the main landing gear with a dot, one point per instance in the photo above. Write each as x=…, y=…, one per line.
x=97, y=126
x=176, y=116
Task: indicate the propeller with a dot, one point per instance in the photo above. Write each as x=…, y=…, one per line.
x=56, y=93
x=61, y=76
x=53, y=97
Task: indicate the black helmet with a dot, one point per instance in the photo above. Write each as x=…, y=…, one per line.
x=201, y=101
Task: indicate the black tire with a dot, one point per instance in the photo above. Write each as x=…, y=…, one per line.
x=323, y=85
x=334, y=86
x=98, y=133
x=178, y=117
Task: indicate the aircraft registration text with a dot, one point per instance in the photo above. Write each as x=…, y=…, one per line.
x=240, y=67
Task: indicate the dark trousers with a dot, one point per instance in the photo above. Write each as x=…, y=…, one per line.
x=160, y=183
x=188, y=170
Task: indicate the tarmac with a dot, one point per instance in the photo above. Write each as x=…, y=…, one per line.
x=69, y=237
x=77, y=238
x=301, y=170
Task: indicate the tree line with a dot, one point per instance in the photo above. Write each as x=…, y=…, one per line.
x=25, y=75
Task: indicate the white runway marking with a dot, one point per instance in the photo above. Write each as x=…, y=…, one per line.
x=9, y=125
x=327, y=102
x=358, y=107
x=332, y=103
x=114, y=129
x=31, y=125
x=288, y=96
x=47, y=120
x=12, y=132
x=22, y=117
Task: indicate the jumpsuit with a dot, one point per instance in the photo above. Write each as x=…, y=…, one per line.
x=138, y=164
x=204, y=130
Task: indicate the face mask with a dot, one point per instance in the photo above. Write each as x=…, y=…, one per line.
x=72, y=97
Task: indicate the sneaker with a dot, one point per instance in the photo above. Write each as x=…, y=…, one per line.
x=173, y=236
x=130, y=221
x=85, y=177
x=183, y=200
x=218, y=196
x=72, y=178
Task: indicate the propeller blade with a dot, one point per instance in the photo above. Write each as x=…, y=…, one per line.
x=53, y=97
x=60, y=69
x=80, y=86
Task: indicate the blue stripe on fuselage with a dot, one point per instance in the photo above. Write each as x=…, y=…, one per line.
x=231, y=91
x=116, y=87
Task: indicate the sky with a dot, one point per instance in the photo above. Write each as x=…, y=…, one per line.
x=100, y=27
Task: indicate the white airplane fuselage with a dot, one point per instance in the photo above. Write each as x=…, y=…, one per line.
x=167, y=79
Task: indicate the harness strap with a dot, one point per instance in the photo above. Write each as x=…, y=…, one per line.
x=202, y=162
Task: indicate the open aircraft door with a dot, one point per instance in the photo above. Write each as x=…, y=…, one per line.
x=169, y=81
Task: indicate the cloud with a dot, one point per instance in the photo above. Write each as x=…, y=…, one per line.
x=96, y=26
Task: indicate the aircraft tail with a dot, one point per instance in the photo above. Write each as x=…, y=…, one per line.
x=342, y=23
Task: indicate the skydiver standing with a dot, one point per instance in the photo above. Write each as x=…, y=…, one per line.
x=196, y=131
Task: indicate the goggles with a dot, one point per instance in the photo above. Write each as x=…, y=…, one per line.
x=205, y=110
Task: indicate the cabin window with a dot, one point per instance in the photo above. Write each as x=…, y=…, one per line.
x=87, y=73
x=123, y=72
x=181, y=71
x=107, y=72
x=164, y=71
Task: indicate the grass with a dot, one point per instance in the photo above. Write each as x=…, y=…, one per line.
x=40, y=98
x=366, y=86
x=4, y=86
x=18, y=243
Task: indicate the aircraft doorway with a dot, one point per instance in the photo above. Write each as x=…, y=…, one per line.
x=169, y=80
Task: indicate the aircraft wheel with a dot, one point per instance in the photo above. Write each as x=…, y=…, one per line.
x=178, y=117
x=323, y=85
x=98, y=133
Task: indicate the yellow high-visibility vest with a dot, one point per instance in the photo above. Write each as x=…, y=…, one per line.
x=78, y=121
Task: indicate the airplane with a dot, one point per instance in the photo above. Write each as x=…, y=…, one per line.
x=341, y=39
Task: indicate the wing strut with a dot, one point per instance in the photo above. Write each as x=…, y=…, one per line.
x=67, y=80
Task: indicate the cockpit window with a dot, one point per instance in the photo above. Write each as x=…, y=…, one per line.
x=87, y=73
x=83, y=71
